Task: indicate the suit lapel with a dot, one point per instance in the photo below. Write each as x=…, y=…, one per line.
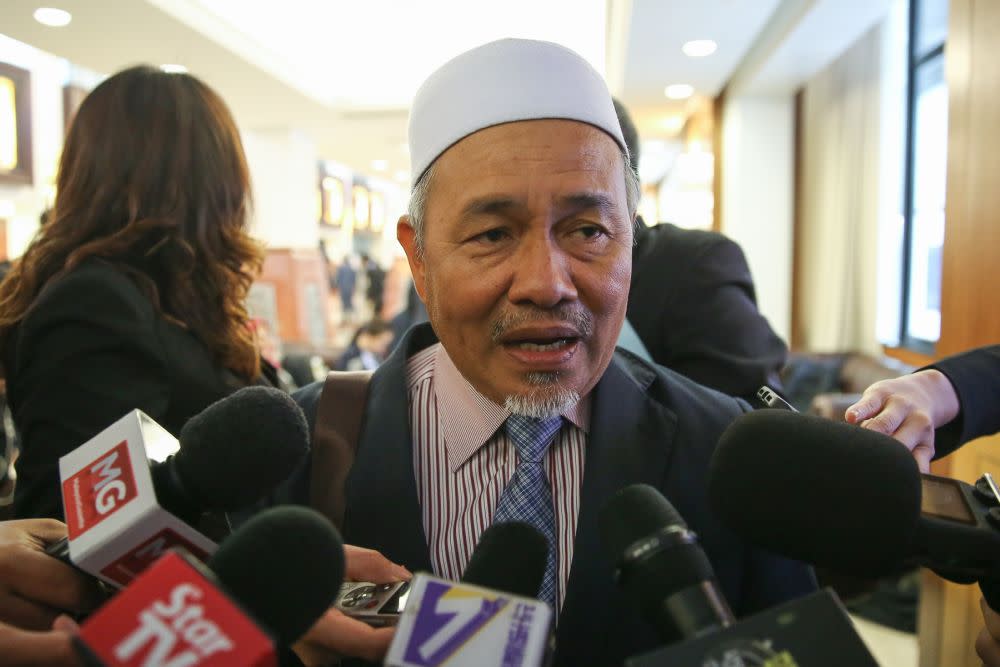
x=630, y=442
x=383, y=510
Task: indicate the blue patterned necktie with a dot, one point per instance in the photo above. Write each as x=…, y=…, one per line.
x=527, y=496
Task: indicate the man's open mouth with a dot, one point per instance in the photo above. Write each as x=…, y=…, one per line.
x=542, y=344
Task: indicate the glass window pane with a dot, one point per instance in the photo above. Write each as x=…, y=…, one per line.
x=932, y=25
x=930, y=152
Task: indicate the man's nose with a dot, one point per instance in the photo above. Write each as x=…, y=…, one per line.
x=542, y=274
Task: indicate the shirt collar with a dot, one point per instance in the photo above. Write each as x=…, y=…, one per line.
x=470, y=419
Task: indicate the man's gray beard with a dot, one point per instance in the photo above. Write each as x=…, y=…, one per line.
x=548, y=399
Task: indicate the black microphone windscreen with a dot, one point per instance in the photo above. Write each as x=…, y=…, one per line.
x=239, y=448
x=284, y=566
x=825, y=492
x=632, y=514
x=509, y=557
x=640, y=512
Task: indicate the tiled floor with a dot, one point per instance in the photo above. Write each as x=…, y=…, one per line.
x=891, y=648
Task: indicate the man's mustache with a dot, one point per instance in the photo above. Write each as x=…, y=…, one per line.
x=575, y=315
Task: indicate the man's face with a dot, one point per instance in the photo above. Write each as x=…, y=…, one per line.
x=527, y=257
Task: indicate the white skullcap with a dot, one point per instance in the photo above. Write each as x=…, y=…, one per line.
x=502, y=82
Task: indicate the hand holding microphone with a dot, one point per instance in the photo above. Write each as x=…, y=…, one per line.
x=24, y=648
x=908, y=408
x=34, y=588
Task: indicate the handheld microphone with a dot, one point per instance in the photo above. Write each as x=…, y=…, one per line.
x=261, y=590
x=509, y=557
x=490, y=618
x=661, y=565
x=849, y=499
x=232, y=453
x=131, y=492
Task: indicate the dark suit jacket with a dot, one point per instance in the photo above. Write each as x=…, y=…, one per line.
x=693, y=305
x=976, y=377
x=648, y=425
x=91, y=349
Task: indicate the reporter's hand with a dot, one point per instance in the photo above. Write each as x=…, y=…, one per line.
x=35, y=587
x=988, y=641
x=336, y=635
x=23, y=648
x=908, y=408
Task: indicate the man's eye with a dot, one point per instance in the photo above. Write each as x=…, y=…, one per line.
x=590, y=231
x=491, y=236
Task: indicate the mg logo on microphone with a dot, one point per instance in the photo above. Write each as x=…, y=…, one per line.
x=173, y=633
x=98, y=490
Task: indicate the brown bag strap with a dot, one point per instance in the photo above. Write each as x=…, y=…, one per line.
x=335, y=441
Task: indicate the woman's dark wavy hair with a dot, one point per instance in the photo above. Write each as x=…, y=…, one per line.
x=153, y=180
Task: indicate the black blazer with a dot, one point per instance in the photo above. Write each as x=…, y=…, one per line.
x=693, y=305
x=648, y=424
x=976, y=377
x=92, y=348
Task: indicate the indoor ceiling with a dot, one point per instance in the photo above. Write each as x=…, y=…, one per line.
x=343, y=72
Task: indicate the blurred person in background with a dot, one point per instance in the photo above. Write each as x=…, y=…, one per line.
x=347, y=280
x=271, y=352
x=133, y=294
x=414, y=312
x=376, y=284
x=368, y=349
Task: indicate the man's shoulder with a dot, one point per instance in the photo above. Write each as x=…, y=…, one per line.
x=677, y=392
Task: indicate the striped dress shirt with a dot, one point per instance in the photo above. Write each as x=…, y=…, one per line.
x=462, y=460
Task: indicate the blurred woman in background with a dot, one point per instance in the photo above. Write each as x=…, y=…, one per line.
x=132, y=296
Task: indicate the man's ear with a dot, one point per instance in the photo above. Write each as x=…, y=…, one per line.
x=407, y=237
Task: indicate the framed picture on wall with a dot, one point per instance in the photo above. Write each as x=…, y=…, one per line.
x=359, y=196
x=15, y=125
x=332, y=200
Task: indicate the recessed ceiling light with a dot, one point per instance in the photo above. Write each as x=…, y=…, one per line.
x=380, y=165
x=699, y=48
x=402, y=176
x=173, y=68
x=678, y=91
x=52, y=17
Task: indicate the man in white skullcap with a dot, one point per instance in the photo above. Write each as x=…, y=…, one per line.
x=513, y=404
